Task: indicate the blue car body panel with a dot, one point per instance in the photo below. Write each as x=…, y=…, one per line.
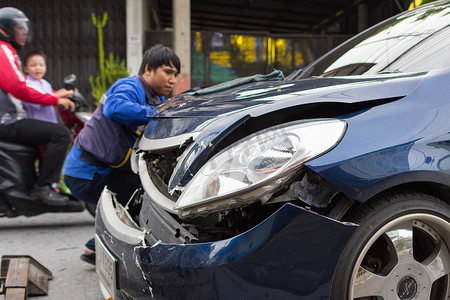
x=263, y=97
x=237, y=268
x=361, y=170
x=184, y=113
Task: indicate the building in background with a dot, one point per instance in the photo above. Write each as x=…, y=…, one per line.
x=227, y=39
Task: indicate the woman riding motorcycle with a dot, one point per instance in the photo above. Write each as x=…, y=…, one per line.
x=14, y=124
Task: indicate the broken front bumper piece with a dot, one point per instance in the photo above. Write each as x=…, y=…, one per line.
x=291, y=254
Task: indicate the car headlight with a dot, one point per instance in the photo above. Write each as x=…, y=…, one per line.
x=249, y=169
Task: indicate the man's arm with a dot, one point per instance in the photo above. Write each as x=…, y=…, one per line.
x=126, y=105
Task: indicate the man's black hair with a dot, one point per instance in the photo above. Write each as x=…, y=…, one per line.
x=157, y=56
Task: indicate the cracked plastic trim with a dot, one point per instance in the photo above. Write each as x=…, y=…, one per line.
x=115, y=226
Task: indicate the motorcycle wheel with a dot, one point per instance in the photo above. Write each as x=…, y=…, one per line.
x=400, y=250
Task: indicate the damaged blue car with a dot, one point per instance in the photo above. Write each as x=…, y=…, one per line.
x=331, y=183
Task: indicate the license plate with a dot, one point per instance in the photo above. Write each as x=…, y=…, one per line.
x=105, y=266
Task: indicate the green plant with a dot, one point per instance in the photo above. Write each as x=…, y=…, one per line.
x=111, y=69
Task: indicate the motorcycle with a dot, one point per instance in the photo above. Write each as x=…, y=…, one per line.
x=18, y=171
x=74, y=120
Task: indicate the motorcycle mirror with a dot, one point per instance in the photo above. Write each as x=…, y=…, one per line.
x=70, y=82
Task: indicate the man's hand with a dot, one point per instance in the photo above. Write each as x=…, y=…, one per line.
x=66, y=104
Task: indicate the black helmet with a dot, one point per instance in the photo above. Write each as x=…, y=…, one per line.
x=14, y=27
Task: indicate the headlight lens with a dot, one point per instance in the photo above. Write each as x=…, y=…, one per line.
x=263, y=156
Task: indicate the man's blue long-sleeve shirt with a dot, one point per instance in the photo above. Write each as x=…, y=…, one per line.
x=125, y=104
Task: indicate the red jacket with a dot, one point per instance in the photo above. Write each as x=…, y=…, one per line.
x=13, y=86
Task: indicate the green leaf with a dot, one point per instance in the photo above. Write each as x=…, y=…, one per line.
x=111, y=69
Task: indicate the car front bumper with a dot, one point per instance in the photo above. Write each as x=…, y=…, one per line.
x=290, y=255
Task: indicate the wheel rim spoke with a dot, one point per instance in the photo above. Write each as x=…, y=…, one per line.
x=369, y=284
x=438, y=264
x=401, y=238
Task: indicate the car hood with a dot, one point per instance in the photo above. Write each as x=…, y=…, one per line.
x=255, y=99
x=208, y=119
x=248, y=96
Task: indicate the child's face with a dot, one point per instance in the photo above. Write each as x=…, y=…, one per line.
x=35, y=67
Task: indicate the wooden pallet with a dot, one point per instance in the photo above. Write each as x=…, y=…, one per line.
x=23, y=276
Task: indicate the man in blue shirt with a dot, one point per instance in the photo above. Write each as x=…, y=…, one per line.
x=99, y=156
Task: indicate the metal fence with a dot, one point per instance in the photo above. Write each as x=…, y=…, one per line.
x=64, y=31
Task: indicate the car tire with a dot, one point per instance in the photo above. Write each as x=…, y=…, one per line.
x=400, y=250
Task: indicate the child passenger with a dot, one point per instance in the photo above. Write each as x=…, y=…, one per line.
x=34, y=64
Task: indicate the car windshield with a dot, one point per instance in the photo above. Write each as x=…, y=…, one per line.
x=417, y=41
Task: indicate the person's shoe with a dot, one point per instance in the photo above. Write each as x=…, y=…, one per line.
x=89, y=258
x=47, y=195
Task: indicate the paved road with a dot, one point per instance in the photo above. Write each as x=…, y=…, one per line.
x=56, y=241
